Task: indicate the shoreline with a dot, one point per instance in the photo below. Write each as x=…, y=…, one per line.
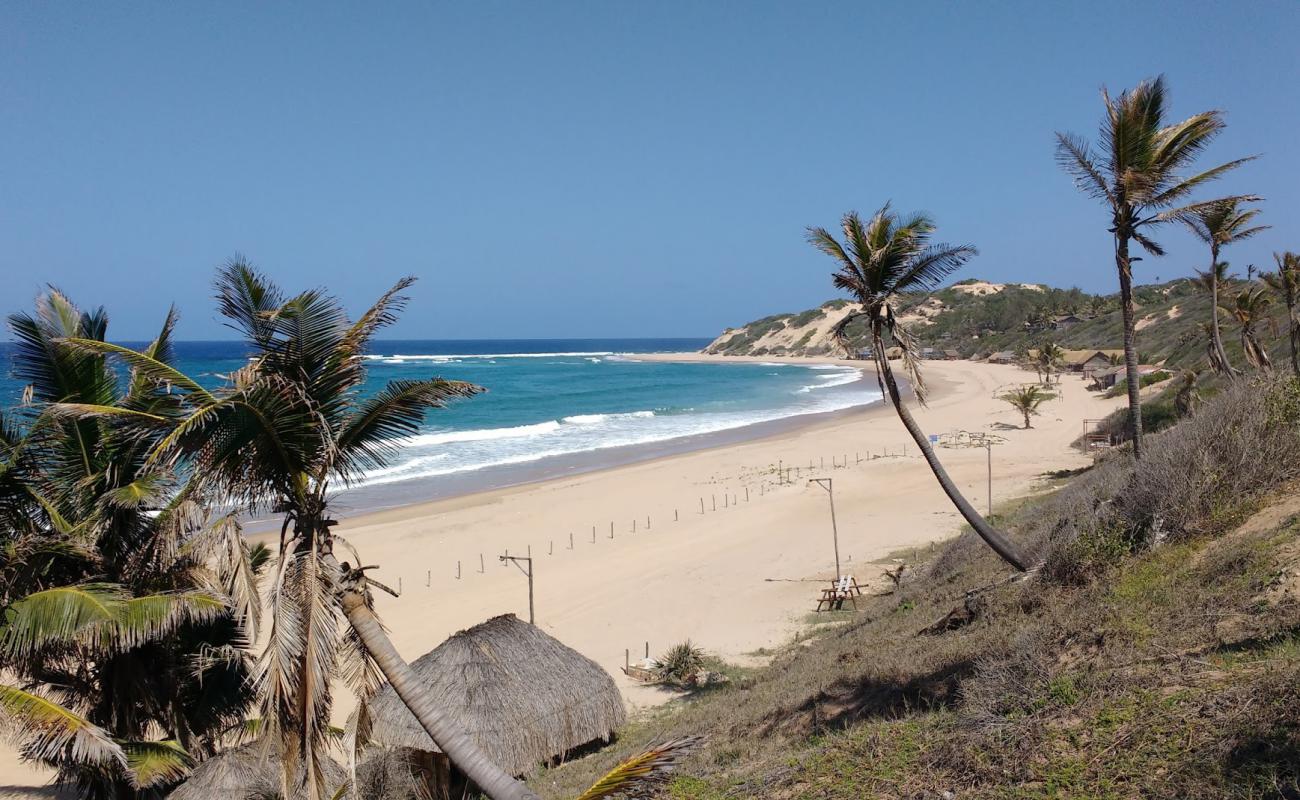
x=391, y=496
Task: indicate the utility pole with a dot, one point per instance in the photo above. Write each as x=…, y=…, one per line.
x=826, y=484
x=989, y=447
x=529, y=573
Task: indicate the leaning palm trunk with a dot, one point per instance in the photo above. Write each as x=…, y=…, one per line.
x=987, y=532
x=462, y=750
x=1125, y=267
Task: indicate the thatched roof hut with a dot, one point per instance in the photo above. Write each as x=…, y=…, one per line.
x=524, y=697
x=249, y=771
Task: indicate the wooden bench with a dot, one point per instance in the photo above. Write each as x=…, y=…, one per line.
x=846, y=588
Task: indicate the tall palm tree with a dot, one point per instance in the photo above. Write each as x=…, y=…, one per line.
x=1249, y=308
x=1219, y=225
x=126, y=606
x=879, y=260
x=292, y=426
x=1027, y=399
x=1137, y=176
x=1285, y=283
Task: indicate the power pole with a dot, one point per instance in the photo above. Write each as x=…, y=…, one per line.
x=989, y=447
x=527, y=572
x=826, y=484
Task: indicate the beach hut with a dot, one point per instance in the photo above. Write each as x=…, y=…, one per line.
x=951, y=355
x=1002, y=357
x=1091, y=362
x=521, y=695
x=241, y=773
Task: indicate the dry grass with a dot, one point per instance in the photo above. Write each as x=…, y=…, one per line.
x=1157, y=656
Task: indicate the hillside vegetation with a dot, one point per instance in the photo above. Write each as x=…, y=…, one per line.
x=977, y=318
x=1156, y=653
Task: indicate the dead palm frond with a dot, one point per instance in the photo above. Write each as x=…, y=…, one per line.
x=639, y=773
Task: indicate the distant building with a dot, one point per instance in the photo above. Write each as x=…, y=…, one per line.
x=1002, y=357
x=1061, y=323
x=1107, y=378
x=951, y=355
x=1091, y=362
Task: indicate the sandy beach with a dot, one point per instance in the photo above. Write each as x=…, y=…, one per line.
x=733, y=578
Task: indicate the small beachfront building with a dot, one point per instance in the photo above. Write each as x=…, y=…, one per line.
x=1091, y=362
x=520, y=694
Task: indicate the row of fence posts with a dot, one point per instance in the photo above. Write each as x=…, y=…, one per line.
x=785, y=476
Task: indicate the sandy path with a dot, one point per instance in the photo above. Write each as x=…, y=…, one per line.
x=726, y=579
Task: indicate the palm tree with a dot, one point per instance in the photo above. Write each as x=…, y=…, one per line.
x=1027, y=399
x=1138, y=178
x=1219, y=225
x=1249, y=308
x=290, y=427
x=1211, y=281
x=1285, y=283
x=126, y=606
x=879, y=260
x=1050, y=358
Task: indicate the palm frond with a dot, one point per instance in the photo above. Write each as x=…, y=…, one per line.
x=152, y=764
x=143, y=365
x=46, y=731
x=99, y=616
x=642, y=771
x=371, y=436
x=247, y=300
x=1186, y=186
x=1074, y=156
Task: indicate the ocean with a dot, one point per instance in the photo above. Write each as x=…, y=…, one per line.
x=559, y=405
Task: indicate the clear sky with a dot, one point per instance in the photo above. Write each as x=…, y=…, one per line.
x=590, y=168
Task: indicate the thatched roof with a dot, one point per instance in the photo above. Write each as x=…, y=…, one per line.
x=249, y=771
x=520, y=694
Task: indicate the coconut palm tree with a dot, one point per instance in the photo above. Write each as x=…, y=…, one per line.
x=1211, y=281
x=289, y=428
x=126, y=606
x=1249, y=308
x=1027, y=399
x=878, y=260
x=1285, y=283
x=1138, y=178
x=1219, y=225
x=1050, y=358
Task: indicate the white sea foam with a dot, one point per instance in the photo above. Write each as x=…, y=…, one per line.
x=827, y=381
x=592, y=419
x=401, y=357
x=447, y=452
x=483, y=434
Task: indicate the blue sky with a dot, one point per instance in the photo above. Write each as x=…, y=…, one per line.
x=590, y=168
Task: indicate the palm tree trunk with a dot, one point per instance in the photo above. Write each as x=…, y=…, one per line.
x=1293, y=319
x=987, y=532
x=1130, y=342
x=1220, y=355
x=462, y=750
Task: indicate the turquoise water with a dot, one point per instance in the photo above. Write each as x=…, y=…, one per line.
x=549, y=399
